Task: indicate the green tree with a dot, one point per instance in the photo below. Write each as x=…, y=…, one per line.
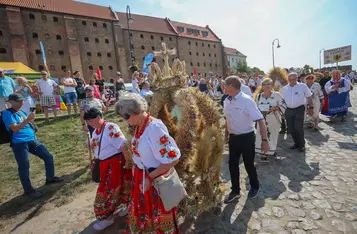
x=242, y=66
x=308, y=69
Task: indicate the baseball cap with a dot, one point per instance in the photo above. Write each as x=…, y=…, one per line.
x=88, y=87
x=15, y=97
x=118, y=73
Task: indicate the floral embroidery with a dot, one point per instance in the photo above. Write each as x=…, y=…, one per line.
x=164, y=140
x=116, y=135
x=134, y=148
x=111, y=127
x=111, y=134
x=163, y=152
x=172, y=154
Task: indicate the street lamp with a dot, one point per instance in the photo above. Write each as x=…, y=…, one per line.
x=320, y=56
x=272, y=48
x=130, y=20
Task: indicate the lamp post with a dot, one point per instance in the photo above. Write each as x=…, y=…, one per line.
x=130, y=20
x=320, y=56
x=272, y=48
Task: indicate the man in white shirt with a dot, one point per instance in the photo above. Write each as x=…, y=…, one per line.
x=145, y=91
x=241, y=112
x=352, y=77
x=245, y=89
x=46, y=89
x=295, y=96
x=70, y=93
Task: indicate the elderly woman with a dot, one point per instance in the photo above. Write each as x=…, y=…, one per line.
x=317, y=99
x=272, y=106
x=25, y=90
x=154, y=153
x=109, y=146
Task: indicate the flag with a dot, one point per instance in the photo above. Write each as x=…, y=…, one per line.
x=195, y=71
x=99, y=73
x=256, y=74
x=147, y=61
x=43, y=54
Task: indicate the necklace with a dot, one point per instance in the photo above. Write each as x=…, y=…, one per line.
x=138, y=134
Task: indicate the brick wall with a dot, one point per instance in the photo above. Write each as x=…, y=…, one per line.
x=5, y=46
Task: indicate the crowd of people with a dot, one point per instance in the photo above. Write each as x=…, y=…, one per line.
x=129, y=173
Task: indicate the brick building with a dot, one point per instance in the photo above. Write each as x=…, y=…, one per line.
x=83, y=37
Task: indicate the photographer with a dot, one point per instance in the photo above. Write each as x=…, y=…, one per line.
x=24, y=140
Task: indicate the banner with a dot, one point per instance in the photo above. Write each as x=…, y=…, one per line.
x=147, y=61
x=337, y=55
x=43, y=54
x=338, y=102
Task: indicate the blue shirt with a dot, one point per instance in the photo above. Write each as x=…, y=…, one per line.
x=24, y=93
x=145, y=92
x=23, y=135
x=7, y=86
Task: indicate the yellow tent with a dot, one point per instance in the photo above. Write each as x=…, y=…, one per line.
x=14, y=69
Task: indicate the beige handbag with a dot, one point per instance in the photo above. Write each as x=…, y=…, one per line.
x=170, y=189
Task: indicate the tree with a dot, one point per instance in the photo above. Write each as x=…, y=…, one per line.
x=242, y=66
x=308, y=69
x=255, y=69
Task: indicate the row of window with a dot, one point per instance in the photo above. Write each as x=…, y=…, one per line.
x=55, y=19
x=152, y=37
x=203, y=44
x=63, y=68
x=86, y=39
x=109, y=55
x=203, y=54
x=60, y=52
x=204, y=64
x=47, y=36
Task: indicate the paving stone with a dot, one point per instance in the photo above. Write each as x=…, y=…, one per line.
x=307, y=224
x=255, y=225
x=315, y=215
x=308, y=205
x=297, y=231
x=340, y=225
x=294, y=197
x=331, y=213
x=270, y=224
x=292, y=225
x=350, y=217
x=323, y=204
x=293, y=212
x=278, y=212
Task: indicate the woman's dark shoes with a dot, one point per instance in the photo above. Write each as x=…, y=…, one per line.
x=54, y=180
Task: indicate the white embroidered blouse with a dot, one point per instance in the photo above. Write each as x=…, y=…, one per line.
x=113, y=139
x=154, y=147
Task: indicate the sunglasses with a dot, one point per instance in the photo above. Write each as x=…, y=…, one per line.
x=310, y=78
x=125, y=116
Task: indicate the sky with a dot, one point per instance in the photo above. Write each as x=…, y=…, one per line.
x=303, y=27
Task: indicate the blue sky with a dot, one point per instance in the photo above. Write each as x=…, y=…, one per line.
x=302, y=26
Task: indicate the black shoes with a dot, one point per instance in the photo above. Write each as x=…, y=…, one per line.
x=231, y=197
x=253, y=193
x=54, y=180
x=33, y=194
x=294, y=147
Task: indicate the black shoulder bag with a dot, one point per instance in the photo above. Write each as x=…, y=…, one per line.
x=96, y=162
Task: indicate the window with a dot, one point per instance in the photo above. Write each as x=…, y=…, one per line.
x=95, y=24
x=198, y=64
x=216, y=65
x=209, y=55
x=40, y=68
x=210, y=64
x=104, y=25
x=209, y=45
x=132, y=46
x=131, y=34
x=190, y=53
x=141, y=36
x=143, y=58
x=109, y=55
x=203, y=44
x=32, y=16
x=101, y=68
x=44, y=17
x=38, y=51
x=189, y=43
x=191, y=63
x=205, y=74
x=84, y=23
x=173, y=60
x=215, y=55
x=143, y=47
x=110, y=68
x=86, y=39
x=152, y=37
x=90, y=67
x=197, y=54
x=96, y=40
x=106, y=41
x=170, y=39
x=196, y=44
x=58, y=37
x=89, y=54
x=61, y=53
x=47, y=36
x=52, y=68
x=55, y=19
x=203, y=54
x=214, y=46
x=0, y=33
x=63, y=68
x=2, y=51
x=99, y=54
x=204, y=64
x=35, y=35
x=162, y=38
x=153, y=47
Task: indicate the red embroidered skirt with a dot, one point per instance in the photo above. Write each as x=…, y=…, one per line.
x=114, y=186
x=146, y=213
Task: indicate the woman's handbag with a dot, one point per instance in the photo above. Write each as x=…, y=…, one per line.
x=96, y=163
x=170, y=189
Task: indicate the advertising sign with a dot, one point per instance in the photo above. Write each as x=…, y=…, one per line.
x=337, y=55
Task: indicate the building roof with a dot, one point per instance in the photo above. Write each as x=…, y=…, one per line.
x=64, y=6
x=232, y=51
x=194, y=31
x=146, y=24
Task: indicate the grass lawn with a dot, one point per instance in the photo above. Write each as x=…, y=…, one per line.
x=67, y=143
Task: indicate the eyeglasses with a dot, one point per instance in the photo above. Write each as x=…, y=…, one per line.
x=125, y=116
x=310, y=78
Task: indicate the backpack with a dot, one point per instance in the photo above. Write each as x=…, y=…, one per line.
x=5, y=135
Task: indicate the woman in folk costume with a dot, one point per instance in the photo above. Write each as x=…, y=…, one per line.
x=272, y=106
x=109, y=146
x=336, y=86
x=317, y=99
x=155, y=153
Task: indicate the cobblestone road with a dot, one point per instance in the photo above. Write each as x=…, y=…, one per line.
x=301, y=193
